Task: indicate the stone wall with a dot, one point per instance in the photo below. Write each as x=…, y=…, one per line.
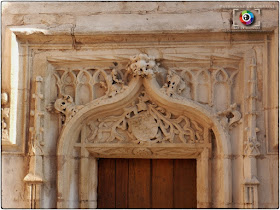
x=227, y=82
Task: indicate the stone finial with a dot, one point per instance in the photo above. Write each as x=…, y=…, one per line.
x=143, y=65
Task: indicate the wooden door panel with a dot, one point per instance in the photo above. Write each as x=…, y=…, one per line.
x=139, y=185
x=184, y=183
x=143, y=183
x=162, y=183
x=106, y=179
x=121, y=183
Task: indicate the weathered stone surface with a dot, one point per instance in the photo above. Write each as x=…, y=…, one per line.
x=89, y=80
x=14, y=189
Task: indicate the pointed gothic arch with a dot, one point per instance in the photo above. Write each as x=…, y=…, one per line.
x=166, y=97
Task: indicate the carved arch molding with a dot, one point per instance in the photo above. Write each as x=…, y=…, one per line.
x=142, y=111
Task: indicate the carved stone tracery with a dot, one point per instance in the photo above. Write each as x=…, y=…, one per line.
x=86, y=85
x=80, y=86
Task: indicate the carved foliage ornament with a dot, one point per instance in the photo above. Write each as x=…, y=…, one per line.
x=145, y=122
x=5, y=117
x=230, y=117
x=174, y=85
x=143, y=65
x=66, y=107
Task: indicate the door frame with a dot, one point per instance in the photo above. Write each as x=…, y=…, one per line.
x=90, y=161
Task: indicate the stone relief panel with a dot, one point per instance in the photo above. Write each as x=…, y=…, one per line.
x=145, y=122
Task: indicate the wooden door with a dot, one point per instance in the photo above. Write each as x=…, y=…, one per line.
x=144, y=183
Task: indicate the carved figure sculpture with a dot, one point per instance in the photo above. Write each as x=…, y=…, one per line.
x=117, y=84
x=67, y=107
x=174, y=84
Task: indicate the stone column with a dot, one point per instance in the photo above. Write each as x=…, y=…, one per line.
x=34, y=178
x=251, y=145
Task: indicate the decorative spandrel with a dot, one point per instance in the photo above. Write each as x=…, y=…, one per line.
x=207, y=86
x=144, y=122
